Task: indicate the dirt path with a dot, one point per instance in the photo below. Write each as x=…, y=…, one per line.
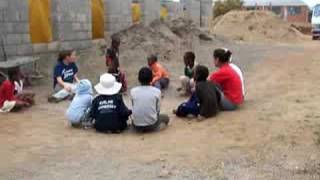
x=275, y=135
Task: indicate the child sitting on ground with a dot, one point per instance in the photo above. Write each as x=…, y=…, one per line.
x=65, y=76
x=146, y=104
x=108, y=109
x=78, y=111
x=228, y=80
x=19, y=90
x=204, y=101
x=8, y=101
x=187, y=82
x=160, y=75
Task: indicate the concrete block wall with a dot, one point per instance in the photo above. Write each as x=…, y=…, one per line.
x=117, y=15
x=15, y=28
x=200, y=11
x=206, y=11
x=150, y=10
x=72, y=23
x=175, y=9
x=71, y=27
x=192, y=10
x=3, y=7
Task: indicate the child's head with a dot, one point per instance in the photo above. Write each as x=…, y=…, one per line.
x=115, y=42
x=152, y=59
x=201, y=73
x=145, y=76
x=68, y=56
x=14, y=74
x=221, y=56
x=189, y=58
x=84, y=87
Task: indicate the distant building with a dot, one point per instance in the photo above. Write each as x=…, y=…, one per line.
x=288, y=10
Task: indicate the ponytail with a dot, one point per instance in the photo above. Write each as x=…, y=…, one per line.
x=224, y=55
x=228, y=54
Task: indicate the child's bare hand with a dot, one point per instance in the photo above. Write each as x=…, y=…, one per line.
x=67, y=88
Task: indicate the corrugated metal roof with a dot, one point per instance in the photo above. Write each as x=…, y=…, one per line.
x=274, y=3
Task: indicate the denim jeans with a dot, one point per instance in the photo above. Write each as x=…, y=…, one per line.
x=61, y=93
x=162, y=83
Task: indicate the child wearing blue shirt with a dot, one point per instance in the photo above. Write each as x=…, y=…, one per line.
x=65, y=76
x=78, y=111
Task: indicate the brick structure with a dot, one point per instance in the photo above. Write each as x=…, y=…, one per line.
x=175, y=9
x=15, y=28
x=200, y=11
x=69, y=23
x=117, y=15
x=288, y=10
x=72, y=28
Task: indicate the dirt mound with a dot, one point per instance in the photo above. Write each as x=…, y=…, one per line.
x=304, y=28
x=255, y=26
x=162, y=38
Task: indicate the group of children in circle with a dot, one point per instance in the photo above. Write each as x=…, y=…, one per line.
x=223, y=90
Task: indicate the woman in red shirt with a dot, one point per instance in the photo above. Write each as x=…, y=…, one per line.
x=8, y=100
x=228, y=81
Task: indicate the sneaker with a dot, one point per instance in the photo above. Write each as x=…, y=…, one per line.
x=162, y=126
x=52, y=99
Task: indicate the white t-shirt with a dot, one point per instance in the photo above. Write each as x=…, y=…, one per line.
x=18, y=86
x=240, y=74
x=145, y=105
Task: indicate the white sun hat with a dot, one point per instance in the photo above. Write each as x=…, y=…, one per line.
x=108, y=85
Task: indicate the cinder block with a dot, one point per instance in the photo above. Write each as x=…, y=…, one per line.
x=20, y=28
x=65, y=45
x=3, y=4
x=40, y=48
x=14, y=39
x=12, y=16
x=76, y=26
x=11, y=50
x=26, y=38
x=54, y=46
x=8, y=27
x=24, y=49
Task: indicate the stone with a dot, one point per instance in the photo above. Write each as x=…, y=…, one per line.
x=40, y=48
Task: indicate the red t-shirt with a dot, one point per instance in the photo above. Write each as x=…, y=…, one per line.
x=6, y=92
x=230, y=82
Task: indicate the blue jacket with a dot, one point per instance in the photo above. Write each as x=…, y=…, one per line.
x=81, y=102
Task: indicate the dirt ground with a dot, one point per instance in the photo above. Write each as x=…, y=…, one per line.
x=257, y=26
x=275, y=135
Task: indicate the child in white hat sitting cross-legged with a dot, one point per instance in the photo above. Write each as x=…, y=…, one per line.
x=108, y=109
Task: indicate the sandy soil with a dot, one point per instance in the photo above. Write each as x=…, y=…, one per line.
x=256, y=26
x=275, y=135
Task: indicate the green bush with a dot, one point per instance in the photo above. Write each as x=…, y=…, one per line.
x=222, y=7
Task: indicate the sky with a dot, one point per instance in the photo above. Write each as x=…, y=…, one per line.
x=311, y=3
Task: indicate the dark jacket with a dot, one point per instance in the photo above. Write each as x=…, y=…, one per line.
x=112, y=57
x=208, y=95
x=110, y=113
